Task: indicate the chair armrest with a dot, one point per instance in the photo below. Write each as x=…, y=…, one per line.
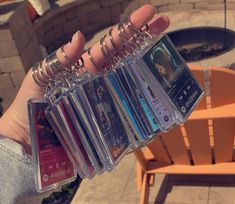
x=225, y=111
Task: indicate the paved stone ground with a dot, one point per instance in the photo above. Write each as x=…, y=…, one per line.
x=119, y=187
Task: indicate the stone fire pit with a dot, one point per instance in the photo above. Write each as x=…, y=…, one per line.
x=195, y=44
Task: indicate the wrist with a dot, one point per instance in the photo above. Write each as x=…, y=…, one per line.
x=10, y=128
x=14, y=123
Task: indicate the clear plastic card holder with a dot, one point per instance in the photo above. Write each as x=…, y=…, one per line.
x=54, y=94
x=99, y=119
x=84, y=136
x=77, y=99
x=141, y=105
x=68, y=133
x=70, y=82
x=51, y=163
x=58, y=131
x=159, y=109
x=134, y=140
x=169, y=77
x=106, y=119
x=134, y=103
x=127, y=121
x=140, y=98
x=73, y=139
x=122, y=101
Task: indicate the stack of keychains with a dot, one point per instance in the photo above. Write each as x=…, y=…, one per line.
x=98, y=119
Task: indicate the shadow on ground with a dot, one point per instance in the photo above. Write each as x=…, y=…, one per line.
x=173, y=181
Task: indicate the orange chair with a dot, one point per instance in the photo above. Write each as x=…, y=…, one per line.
x=204, y=144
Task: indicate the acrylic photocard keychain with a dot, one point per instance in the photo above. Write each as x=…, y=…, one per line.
x=84, y=135
x=123, y=103
x=160, y=111
x=72, y=135
x=155, y=113
x=133, y=105
x=77, y=100
x=137, y=95
x=169, y=77
x=51, y=162
x=54, y=123
x=69, y=134
x=106, y=118
x=98, y=119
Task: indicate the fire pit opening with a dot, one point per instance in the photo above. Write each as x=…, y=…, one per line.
x=195, y=44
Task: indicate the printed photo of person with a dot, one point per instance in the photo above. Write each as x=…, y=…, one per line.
x=163, y=64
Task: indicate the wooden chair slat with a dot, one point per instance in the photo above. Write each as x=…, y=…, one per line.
x=141, y=158
x=198, y=137
x=226, y=168
x=139, y=176
x=145, y=190
x=198, y=73
x=222, y=86
x=176, y=148
x=223, y=132
x=158, y=150
x=225, y=111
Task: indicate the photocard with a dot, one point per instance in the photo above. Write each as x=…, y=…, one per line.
x=52, y=163
x=147, y=116
x=80, y=104
x=124, y=103
x=149, y=113
x=112, y=130
x=80, y=152
x=84, y=135
x=54, y=123
x=174, y=76
x=161, y=112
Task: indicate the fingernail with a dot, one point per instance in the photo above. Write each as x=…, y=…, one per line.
x=75, y=36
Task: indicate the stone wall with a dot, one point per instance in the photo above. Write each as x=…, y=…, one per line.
x=18, y=49
x=179, y=5
x=88, y=16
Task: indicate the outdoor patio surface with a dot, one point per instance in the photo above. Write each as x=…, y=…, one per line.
x=119, y=186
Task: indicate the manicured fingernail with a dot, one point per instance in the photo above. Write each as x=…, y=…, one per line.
x=75, y=36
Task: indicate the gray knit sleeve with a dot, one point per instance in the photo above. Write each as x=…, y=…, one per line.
x=16, y=175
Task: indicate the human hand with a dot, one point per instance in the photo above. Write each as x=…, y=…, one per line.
x=14, y=123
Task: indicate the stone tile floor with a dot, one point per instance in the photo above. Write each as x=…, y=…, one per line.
x=119, y=187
